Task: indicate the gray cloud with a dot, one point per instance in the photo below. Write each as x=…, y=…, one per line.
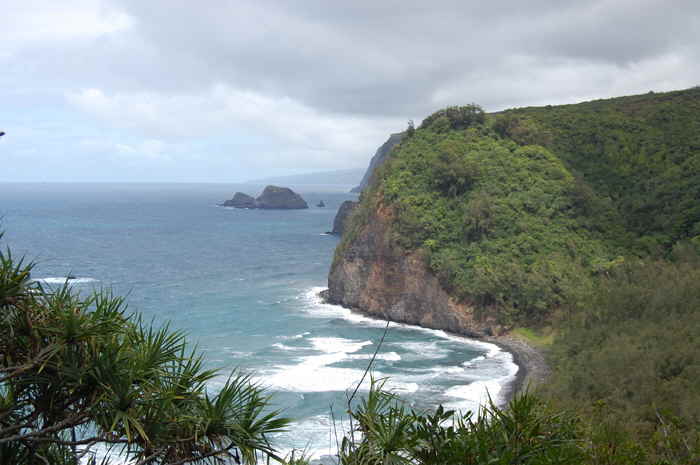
x=390, y=58
x=321, y=81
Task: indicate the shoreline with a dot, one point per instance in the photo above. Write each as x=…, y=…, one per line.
x=532, y=367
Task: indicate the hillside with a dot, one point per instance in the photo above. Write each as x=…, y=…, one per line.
x=576, y=226
x=516, y=211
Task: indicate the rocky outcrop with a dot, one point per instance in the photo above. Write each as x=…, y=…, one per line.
x=371, y=274
x=378, y=158
x=240, y=200
x=272, y=198
x=342, y=216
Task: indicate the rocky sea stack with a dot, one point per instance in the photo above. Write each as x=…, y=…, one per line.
x=272, y=198
x=240, y=200
x=282, y=198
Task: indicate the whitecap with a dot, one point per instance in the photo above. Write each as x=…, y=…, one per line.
x=332, y=345
x=453, y=370
x=388, y=356
x=318, y=308
x=474, y=395
x=315, y=373
x=280, y=346
x=296, y=336
x=64, y=279
x=240, y=354
x=319, y=432
x=422, y=350
x=479, y=392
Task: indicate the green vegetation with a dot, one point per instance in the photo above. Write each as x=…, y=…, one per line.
x=641, y=152
x=578, y=227
x=526, y=432
x=630, y=349
x=529, y=430
x=517, y=212
x=498, y=221
x=540, y=337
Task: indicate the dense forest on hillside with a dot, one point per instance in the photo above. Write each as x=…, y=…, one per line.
x=578, y=222
x=514, y=210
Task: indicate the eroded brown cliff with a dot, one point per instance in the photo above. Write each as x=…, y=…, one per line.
x=372, y=274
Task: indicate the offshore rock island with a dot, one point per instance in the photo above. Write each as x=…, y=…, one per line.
x=272, y=198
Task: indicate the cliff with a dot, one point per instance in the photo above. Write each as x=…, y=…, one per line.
x=376, y=276
x=379, y=157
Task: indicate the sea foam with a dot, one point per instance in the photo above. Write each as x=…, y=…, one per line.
x=475, y=391
x=315, y=373
x=64, y=279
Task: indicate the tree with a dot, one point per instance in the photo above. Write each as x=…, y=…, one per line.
x=411, y=129
x=79, y=371
x=457, y=117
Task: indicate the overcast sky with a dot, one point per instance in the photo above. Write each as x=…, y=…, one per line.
x=223, y=91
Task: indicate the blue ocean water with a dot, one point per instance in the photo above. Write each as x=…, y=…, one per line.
x=243, y=284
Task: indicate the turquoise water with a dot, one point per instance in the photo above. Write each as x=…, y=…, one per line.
x=243, y=284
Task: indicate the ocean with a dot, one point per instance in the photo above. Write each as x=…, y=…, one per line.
x=244, y=285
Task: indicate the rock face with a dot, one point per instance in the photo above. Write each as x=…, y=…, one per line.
x=381, y=154
x=283, y=198
x=240, y=200
x=374, y=276
x=341, y=217
x=272, y=198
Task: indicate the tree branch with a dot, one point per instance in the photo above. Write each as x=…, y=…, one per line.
x=70, y=421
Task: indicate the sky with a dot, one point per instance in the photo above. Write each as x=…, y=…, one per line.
x=225, y=91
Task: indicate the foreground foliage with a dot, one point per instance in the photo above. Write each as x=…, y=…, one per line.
x=78, y=372
x=526, y=432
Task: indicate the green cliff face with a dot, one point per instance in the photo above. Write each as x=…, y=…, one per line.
x=516, y=213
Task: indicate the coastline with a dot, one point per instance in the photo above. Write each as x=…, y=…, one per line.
x=532, y=366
